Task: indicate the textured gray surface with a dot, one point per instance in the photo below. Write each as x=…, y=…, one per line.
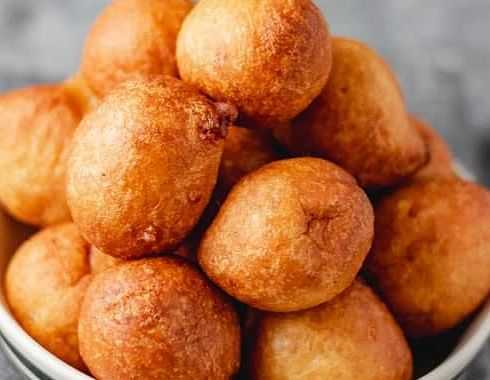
x=439, y=49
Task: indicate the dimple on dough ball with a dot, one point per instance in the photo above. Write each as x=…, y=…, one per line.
x=289, y=236
x=431, y=255
x=441, y=158
x=245, y=150
x=132, y=37
x=352, y=337
x=45, y=284
x=143, y=166
x=271, y=58
x=158, y=319
x=36, y=128
x=359, y=121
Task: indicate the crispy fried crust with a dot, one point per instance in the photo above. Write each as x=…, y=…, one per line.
x=158, y=319
x=269, y=57
x=291, y=235
x=352, y=337
x=143, y=166
x=36, y=128
x=441, y=158
x=132, y=37
x=45, y=283
x=431, y=255
x=359, y=121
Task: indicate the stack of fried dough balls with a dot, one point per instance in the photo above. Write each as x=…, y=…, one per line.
x=216, y=158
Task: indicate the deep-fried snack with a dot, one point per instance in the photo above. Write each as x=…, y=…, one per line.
x=143, y=166
x=431, y=254
x=353, y=336
x=289, y=236
x=158, y=319
x=359, y=121
x=45, y=283
x=271, y=58
x=36, y=128
x=132, y=38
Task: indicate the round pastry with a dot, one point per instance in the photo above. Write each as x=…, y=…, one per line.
x=132, y=38
x=431, y=255
x=441, y=158
x=359, y=121
x=45, y=283
x=245, y=150
x=271, y=58
x=352, y=337
x=143, y=166
x=36, y=129
x=158, y=319
x=290, y=235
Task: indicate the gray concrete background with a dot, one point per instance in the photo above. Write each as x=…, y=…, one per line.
x=440, y=50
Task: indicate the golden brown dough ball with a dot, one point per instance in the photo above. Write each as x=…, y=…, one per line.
x=271, y=58
x=359, y=121
x=143, y=166
x=431, y=255
x=245, y=150
x=441, y=158
x=132, y=37
x=352, y=337
x=290, y=235
x=45, y=283
x=158, y=319
x=36, y=128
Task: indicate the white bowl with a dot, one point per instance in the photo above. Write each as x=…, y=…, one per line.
x=37, y=363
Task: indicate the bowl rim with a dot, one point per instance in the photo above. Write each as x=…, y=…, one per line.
x=469, y=345
x=15, y=336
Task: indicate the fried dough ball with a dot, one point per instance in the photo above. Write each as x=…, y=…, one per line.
x=158, y=319
x=45, y=283
x=36, y=128
x=431, y=255
x=352, y=337
x=290, y=235
x=441, y=158
x=143, y=166
x=132, y=37
x=245, y=150
x=359, y=121
x=271, y=58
